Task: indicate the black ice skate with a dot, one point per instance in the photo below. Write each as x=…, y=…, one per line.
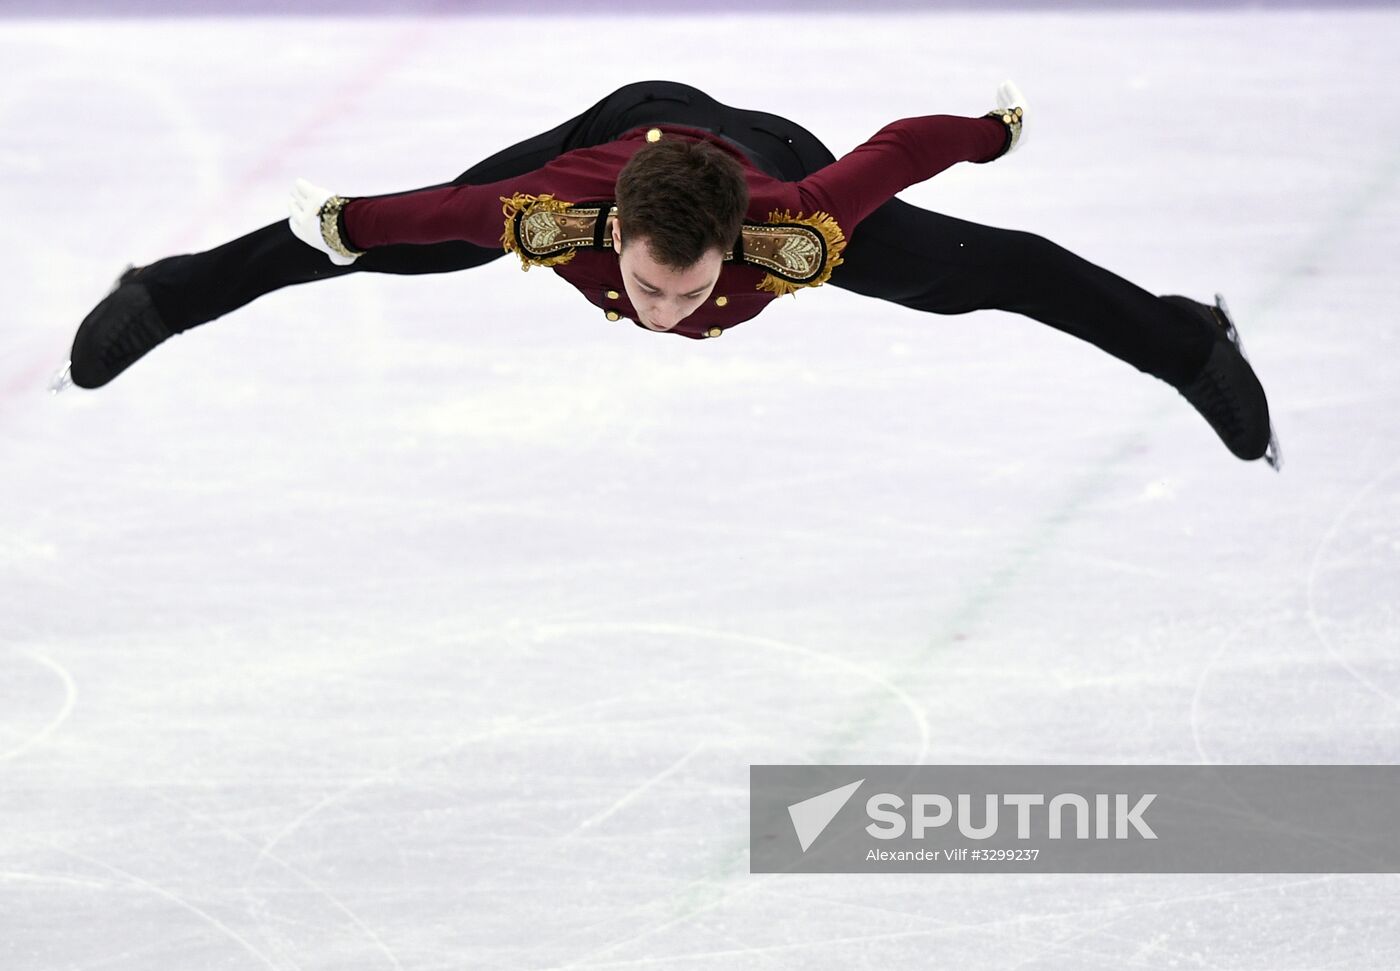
x=1227, y=392
x=116, y=334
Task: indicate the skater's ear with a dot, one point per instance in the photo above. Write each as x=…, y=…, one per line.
x=617, y=234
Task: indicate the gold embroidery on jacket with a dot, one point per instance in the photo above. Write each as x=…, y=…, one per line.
x=798, y=251
x=532, y=231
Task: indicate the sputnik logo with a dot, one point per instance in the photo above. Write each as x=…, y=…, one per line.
x=811, y=816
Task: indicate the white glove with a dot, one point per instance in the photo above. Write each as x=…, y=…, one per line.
x=1009, y=96
x=306, y=204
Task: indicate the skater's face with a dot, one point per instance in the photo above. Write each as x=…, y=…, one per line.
x=664, y=296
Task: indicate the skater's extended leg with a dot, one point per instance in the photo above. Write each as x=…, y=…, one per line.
x=154, y=302
x=931, y=262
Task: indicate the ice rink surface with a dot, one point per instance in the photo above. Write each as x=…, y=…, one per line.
x=433, y=623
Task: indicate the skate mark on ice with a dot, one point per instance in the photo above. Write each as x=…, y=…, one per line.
x=70, y=697
x=1112, y=913
x=1025, y=924
x=866, y=673
x=1017, y=923
x=1313, y=618
x=501, y=731
x=54, y=879
x=633, y=794
x=310, y=882
x=141, y=883
x=1013, y=925
x=1204, y=676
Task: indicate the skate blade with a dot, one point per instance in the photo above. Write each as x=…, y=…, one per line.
x=1231, y=331
x=1272, y=454
x=62, y=379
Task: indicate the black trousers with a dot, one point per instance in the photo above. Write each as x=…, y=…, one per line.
x=900, y=253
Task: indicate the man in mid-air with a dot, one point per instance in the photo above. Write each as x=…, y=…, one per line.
x=686, y=216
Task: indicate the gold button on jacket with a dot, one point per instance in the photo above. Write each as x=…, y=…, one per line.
x=713, y=332
x=653, y=134
x=613, y=315
x=613, y=294
x=721, y=301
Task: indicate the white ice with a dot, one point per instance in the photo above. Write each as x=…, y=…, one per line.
x=434, y=623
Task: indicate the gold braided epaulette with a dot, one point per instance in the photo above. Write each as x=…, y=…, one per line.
x=797, y=251
x=534, y=227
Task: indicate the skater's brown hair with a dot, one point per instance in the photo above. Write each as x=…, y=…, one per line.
x=684, y=198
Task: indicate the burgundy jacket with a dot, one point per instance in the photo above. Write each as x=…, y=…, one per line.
x=793, y=234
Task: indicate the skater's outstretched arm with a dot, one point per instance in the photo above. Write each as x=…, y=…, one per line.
x=343, y=228
x=910, y=151
x=470, y=213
